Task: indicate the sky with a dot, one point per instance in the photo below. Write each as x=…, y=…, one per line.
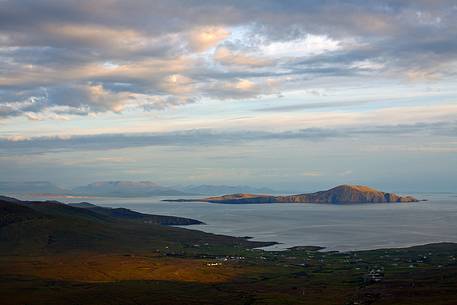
x=291, y=95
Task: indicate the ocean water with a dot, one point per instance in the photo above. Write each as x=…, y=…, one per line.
x=335, y=227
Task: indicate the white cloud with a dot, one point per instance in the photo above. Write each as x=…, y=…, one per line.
x=306, y=46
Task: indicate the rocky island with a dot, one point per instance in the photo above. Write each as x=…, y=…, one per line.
x=342, y=194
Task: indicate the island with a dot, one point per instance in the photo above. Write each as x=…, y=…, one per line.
x=342, y=194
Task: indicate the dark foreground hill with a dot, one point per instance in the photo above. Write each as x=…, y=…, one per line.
x=342, y=194
x=126, y=214
x=52, y=226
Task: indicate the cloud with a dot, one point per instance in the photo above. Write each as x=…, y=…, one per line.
x=203, y=38
x=345, y=173
x=79, y=57
x=311, y=174
x=213, y=137
x=237, y=58
x=315, y=105
x=308, y=45
x=241, y=89
x=17, y=138
x=97, y=36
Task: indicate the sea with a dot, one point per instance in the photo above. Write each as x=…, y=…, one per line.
x=333, y=227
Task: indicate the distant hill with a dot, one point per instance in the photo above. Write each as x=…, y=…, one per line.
x=126, y=214
x=125, y=189
x=214, y=190
x=342, y=194
x=32, y=227
x=30, y=187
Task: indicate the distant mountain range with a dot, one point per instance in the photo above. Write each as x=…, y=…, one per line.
x=213, y=190
x=125, y=189
x=30, y=187
x=342, y=194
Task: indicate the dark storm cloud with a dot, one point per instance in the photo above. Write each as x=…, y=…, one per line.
x=95, y=56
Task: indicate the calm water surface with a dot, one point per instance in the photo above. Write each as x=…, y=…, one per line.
x=335, y=227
